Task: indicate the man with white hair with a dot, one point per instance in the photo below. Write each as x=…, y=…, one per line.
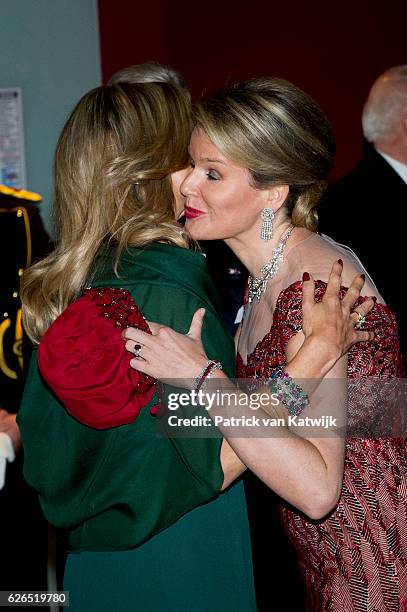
x=367, y=208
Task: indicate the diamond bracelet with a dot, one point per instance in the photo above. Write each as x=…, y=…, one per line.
x=210, y=366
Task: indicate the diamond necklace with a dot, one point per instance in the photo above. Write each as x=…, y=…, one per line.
x=257, y=286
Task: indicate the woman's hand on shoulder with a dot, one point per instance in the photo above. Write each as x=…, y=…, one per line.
x=166, y=354
x=330, y=324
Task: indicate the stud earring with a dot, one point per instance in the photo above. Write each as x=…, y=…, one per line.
x=267, y=216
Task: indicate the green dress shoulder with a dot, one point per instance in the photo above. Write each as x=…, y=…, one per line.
x=142, y=515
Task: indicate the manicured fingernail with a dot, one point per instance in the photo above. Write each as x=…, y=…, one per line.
x=363, y=277
x=306, y=277
x=340, y=262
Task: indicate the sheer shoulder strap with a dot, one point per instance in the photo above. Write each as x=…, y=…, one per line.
x=288, y=312
x=347, y=251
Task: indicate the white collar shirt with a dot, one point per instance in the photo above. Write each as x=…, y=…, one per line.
x=397, y=166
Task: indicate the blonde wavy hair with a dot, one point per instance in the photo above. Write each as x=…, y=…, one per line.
x=112, y=185
x=279, y=134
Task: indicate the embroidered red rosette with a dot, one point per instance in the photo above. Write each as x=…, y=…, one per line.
x=83, y=359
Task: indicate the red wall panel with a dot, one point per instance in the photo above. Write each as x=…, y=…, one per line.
x=333, y=51
x=131, y=32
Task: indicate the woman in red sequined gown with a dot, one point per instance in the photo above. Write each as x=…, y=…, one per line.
x=265, y=144
x=355, y=559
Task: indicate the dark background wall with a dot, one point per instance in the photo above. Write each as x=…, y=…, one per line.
x=333, y=50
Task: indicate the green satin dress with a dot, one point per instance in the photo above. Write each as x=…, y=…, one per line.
x=140, y=515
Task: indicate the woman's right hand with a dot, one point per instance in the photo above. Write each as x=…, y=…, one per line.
x=166, y=354
x=330, y=325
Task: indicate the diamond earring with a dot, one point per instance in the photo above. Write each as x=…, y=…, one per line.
x=267, y=216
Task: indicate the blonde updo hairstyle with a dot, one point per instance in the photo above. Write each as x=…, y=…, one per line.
x=279, y=134
x=112, y=185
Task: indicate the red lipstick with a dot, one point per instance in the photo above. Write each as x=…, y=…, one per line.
x=192, y=213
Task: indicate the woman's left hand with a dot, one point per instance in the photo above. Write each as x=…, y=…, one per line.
x=166, y=354
x=331, y=323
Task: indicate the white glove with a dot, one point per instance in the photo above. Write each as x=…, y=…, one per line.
x=6, y=454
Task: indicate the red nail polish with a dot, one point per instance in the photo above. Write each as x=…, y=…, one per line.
x=305, y=277
x=363, y=277
x=340, y=262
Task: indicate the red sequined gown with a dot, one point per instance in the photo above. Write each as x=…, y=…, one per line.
x=354, y=560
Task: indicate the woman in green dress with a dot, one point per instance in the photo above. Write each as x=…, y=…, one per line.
x=142, y=517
